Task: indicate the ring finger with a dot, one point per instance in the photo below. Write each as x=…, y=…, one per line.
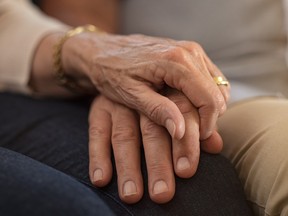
x=207, y=64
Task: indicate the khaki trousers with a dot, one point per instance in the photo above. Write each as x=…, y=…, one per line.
x=255, y=135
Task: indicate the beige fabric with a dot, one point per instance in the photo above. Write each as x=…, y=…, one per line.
x=255, y=135
x=21, y=28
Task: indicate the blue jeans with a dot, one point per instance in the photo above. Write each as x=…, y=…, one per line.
x=44, y=169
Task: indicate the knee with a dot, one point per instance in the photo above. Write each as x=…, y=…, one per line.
x=277, y=187
x=265, y=183
x=256, y=142
x=252, y=125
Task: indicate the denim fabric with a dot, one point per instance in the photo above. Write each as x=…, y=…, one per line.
x=48, y=142
x=32, y=188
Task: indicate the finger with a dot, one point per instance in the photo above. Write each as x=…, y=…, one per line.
x=186, y=151
x=126, y=148
x=213, y=144
x=161, y=110
x=215, y=72
x=190, y=78
x=202, y=93
x=157, y=148
x=100, y=167
x=205, y=63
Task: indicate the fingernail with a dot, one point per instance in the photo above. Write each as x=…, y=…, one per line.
x=129, y=188
x=183, y=163
x=160, y=187
x=98, y=175
x=170, y=127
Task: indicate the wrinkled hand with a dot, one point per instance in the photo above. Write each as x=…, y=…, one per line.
x=114, y=123
x=132, y=69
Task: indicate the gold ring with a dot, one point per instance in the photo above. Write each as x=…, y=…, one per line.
x=220, y=81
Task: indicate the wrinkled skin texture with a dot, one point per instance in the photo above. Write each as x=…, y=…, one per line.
x=132, y=70
x=114, y=126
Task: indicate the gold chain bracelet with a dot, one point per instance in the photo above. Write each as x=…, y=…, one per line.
x=62, y=78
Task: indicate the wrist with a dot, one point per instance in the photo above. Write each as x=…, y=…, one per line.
x=60, y=66
x=42, y=80
x=73, y=59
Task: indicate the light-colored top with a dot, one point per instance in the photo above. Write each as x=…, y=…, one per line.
x=21, y=28
x=246, y=38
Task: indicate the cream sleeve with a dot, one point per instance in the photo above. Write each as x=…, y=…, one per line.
x=21, y=28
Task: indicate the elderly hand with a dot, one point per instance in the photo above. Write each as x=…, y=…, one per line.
x=132, y=69
x=114, y=123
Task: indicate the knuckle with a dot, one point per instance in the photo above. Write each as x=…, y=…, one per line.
x=97, y=131
x=196, y=49
x=176, y=54
x=195, y=45
x=156, y=111
x=147, y=128
x=188, y=43
x=123, y=134
x=159, y=168
x=157, y=73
